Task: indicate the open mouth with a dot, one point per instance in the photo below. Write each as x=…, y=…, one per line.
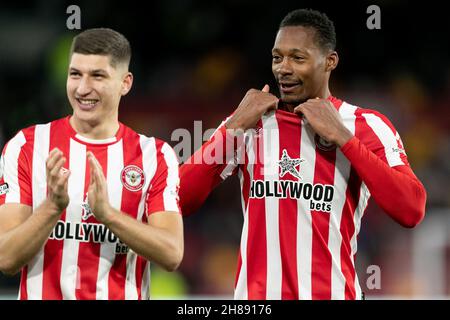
x=87, y=104
x=289, y=87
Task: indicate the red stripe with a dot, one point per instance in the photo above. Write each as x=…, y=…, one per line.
x=321, y=256
x=347, y=230
x=51, y=284
x=289, y=140
x=140, y=267
x=132, y=155
x=89, y=252
x=256, y=240
x=23, y=283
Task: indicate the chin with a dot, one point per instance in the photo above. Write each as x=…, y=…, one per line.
x=293, y=100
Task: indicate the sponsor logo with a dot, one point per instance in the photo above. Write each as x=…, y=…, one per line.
x=323, y=144
x=132, y=178
x=398, y=150
x=4, y=188
x=288, y=165
x=320, y=196
x=87, y=232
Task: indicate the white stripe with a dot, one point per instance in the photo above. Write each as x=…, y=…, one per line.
x=341, y=176
x=304, y=218
x=69, y=270
x=149, y=163
x=271, y=157
x=170, y=193
x=387, y=138
x=145, y=287
x=40, y=154
x=130, y=281
x=115, y=187
x=364, y=196
x=11, y=169
x=241, y=290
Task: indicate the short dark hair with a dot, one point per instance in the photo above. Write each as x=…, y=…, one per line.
x=325, y=32
x=103, y=41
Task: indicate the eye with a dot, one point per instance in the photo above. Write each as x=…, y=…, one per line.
x=276, y=58
x=74, y=74
x=299, y=58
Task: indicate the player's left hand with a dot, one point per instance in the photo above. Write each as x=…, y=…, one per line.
x=325, y=120
x=97, y=192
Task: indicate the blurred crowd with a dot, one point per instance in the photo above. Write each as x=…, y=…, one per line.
x=195, y=60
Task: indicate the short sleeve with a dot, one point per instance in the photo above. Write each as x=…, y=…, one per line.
x=163, y=191
x=15, y=175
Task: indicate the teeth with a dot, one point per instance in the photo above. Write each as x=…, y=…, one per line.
x=89, y=102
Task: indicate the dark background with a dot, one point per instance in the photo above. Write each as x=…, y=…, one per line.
x=195, y=60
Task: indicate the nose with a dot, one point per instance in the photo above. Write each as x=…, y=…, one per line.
x=284, y=67
x=84, y=87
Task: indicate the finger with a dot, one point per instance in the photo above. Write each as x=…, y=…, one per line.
x=53, y=157
x=299, y=109
x=266, y=88
x=56, y=170
x=274, y=105
x=63, y=179
x=91, y=168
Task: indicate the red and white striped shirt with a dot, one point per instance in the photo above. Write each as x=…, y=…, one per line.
x=82, y=259
x=302, y=202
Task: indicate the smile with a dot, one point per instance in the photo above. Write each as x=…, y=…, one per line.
x=87, y=104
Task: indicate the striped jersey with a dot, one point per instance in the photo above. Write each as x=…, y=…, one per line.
x=302, y=204
x=82, y=259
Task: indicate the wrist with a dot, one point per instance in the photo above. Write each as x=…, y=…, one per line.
x=343, y=138
x=107, y=216
x=52, y=208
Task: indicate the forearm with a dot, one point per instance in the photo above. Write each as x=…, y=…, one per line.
x=19, y=245
x=396, y=190
x=155, y=244
x=199, y=168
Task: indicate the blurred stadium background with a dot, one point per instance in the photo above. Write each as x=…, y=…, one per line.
x=194, y=60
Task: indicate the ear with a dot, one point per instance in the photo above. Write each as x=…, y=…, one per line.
x=332, y=60
x=127, y=83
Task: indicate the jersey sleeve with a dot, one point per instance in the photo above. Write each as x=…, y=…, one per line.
x=384, y=140
x=215, y=161
x=15, y=172
x=382, y=164
x=163, y=190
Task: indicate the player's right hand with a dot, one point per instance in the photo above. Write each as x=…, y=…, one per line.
x=252, y=107
x=57, y=179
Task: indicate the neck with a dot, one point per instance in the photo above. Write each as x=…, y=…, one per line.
x=95, y=130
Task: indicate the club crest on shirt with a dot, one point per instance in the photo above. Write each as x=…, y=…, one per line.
x=288, y=165
x=133, y=178
x=323, y=144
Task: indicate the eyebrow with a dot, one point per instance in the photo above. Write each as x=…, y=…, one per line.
x=291, y=51
x=95, y=71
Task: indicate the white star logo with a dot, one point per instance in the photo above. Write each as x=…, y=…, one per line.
x=288, y=165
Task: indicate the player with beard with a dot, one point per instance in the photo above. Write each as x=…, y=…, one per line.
x=308, y=164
